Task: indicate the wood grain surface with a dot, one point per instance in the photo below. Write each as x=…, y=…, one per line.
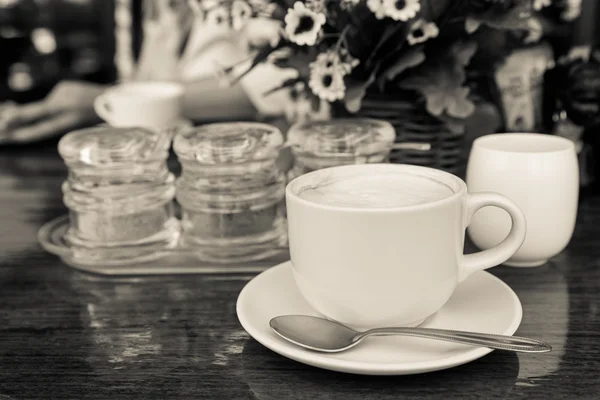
x=68, y=335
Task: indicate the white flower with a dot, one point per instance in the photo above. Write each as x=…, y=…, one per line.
x=302, y=25
x=539, y=4
x=421, y=31
x=401, y=10
x=376, y=7
x=327, y=74
x=326, y=83
x=348, y=4
x=340, y=61
x=240, y=14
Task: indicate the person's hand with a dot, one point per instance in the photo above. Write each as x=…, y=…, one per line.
x=70, y=105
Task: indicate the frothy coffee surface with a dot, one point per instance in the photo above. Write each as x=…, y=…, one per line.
x=376, y=191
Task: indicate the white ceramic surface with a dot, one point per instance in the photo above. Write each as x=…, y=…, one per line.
x=368, y=267
x=482, y=303
x=540, y=173
x=146, y=104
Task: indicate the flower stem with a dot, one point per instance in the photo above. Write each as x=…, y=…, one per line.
x=342, y=38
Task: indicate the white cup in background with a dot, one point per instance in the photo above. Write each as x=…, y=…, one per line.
x=540, y=173
x=145, y=104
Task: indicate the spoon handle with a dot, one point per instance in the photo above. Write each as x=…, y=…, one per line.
x=498, y=342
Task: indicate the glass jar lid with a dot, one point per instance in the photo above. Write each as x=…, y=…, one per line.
x=106, y=146
x=229, y=143
x=341, y=137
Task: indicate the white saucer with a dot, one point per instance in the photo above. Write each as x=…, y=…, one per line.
x=483, y=303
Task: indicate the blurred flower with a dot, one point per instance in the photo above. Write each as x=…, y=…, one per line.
x=325, y=81
x=534, y=31
x=348, y=4
x=303, y=25
x=572, y=10
x=20, y=78
x=401, y=10
x=240, y=14
x=217, y=15
x=340, y=61
x=376, y=7
x=422, y=30
x=539, y=4
x=43, y=40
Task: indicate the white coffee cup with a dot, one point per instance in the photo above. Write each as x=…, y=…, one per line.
x=540, y=173
x=144, y=104
x=387, y=265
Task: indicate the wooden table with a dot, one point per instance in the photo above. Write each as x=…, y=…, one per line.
x=68, y=335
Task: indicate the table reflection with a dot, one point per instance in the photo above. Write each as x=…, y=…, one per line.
x=271, y=376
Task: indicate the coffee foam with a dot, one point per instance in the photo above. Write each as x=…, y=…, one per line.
x=375, y=190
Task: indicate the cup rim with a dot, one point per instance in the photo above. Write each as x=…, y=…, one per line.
x=444, y=177
x=486, y=143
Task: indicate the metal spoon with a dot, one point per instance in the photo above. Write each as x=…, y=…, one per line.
x=327, y=336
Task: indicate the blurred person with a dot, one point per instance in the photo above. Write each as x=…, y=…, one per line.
x=189, y=41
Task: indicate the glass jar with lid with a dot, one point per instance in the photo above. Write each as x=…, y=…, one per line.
x=231, y=190
x=321, y=144
x=119, y=193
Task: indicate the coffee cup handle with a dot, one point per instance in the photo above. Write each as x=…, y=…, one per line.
x=507, y=248
x=102, y=107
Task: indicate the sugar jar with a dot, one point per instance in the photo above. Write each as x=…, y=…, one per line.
x=321, y=144
x=231, y=190
x=119, y=193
